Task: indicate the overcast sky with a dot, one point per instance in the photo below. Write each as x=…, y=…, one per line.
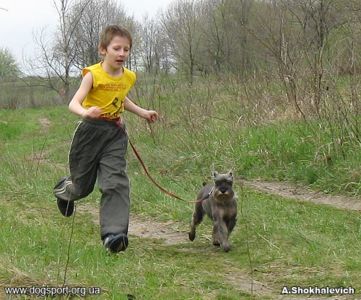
x=24, y=17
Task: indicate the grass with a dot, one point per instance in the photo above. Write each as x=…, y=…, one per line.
x=276, y=241
x=30, y=92
x=242, y=120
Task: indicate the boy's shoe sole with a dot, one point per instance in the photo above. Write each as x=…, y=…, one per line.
x=66, y=208
x=116, y=243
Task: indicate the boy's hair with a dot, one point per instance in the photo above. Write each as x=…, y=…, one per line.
x=110, y=32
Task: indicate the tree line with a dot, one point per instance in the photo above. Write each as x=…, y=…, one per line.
x=297, y=41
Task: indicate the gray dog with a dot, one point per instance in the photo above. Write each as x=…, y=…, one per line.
x=218, y=201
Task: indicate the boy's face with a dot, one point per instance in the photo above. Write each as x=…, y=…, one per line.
x=117, y=52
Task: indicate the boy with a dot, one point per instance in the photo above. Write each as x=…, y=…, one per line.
x=100, y=140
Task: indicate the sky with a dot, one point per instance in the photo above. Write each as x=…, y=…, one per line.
x=24, y=18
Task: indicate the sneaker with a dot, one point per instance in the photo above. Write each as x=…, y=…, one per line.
x=66, y=208
x=116, y=243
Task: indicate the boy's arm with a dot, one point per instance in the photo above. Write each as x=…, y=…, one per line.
x=75, y=103
x=149, y=115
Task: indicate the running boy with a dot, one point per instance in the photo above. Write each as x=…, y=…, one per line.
x=100, y=140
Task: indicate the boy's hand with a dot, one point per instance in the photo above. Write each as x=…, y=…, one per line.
x=93, y=112
x=151, y=116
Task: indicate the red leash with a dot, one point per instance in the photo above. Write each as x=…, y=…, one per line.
x=118, y=123
x=151, y=178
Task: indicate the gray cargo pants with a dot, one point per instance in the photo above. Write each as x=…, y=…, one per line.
x=98, y=152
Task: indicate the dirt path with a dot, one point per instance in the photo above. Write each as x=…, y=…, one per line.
x=170, y=233
x=301, y=193
x=143, y=227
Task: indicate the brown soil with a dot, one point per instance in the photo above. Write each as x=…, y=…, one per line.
x=45, y=123
x=170, y=233
x=143, y=227
x=301, y=193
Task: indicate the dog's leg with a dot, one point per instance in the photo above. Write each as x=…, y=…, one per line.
x=217, y=221
x=216, y=240
x=220, y=234
x=196, y=220
x=224, y=237
x=230, y=225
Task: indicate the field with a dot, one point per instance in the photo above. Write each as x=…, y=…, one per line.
x=277, y=242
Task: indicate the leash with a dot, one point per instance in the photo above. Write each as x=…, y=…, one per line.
x=69, y=246
x=135, y=151
x=118, y=123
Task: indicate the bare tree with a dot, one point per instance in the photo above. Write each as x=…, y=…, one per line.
x=154, y=47
x=150, y=54
x=297, y=39
x=76, y=40
x=56, y=58
x=180, y=23
x=225, y=44
x=94, y=16
x=317, y=19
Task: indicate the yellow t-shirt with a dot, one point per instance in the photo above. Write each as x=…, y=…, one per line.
x=108, y=93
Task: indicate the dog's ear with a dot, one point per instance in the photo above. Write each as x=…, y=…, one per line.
x=214, y=174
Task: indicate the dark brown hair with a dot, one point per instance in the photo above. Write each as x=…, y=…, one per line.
x=110, y=32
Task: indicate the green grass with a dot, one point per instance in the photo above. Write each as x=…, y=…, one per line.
x=30, y=92
x=242, y=126
x=276, y=241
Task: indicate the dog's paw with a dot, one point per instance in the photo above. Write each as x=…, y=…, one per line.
x=226, y=247
x=216, y=243
x=192, y=236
